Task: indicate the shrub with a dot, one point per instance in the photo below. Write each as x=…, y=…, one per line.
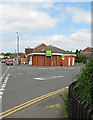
x=66, y=106
x=80, y=58
x=85, y=82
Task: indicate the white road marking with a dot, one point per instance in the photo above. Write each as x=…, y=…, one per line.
x=48, y=78
x=7, y=77
x=39, y=78
x=4, y=74
x=1, y=89
x=1, y=93
x=4, y=84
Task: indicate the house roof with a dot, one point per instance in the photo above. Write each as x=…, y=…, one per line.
x=53, y=49
x=39, y=46
x=91, y=48
x=28, y=50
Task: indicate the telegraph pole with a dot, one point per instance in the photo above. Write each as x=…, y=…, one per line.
x=17, y=47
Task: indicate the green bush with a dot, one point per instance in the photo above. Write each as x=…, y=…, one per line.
x=66, y=106
x=85, y=82
x=80, y=58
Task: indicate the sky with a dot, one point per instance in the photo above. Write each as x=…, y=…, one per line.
x=66, y=25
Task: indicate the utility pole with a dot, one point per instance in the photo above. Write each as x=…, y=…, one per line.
x=17, y=47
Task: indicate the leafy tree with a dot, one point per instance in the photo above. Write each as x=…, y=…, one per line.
x=85, y=82
x=80, y=58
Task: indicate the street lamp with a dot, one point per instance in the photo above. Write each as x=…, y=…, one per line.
x=17, y=46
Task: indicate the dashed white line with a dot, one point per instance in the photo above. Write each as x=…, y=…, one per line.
x=3, y=86
x=4, y=74
x=1, y=93
x=39, y=78
x=1, y=89
x=47, y=78
x=0, y=97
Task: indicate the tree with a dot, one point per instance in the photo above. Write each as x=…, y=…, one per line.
x=80, y=58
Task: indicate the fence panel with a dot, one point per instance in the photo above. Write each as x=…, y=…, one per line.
x=80, y=108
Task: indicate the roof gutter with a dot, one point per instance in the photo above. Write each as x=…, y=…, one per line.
x=60, y=54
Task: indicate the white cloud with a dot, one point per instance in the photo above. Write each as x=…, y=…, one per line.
x=77, y=40
x=79, y=15
x=20, y=18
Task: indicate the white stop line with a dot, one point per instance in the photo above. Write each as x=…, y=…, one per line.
x=47, y=78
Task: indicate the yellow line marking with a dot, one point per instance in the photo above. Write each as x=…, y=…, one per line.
x=14, y=109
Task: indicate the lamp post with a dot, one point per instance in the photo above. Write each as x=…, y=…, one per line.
x=17, y=47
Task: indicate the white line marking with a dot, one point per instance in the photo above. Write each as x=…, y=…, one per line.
x=4, y=74
x=4, y=84
x=48, y=78
x=1, y=89
x=1, y=93
x=39, y=78
x=6, y=79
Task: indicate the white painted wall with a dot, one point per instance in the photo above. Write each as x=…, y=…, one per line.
x=68, y=61
x=73, y=61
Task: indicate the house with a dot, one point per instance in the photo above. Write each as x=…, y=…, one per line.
x=28, y=50
x=51, y=56
x=31, y=50
x=88, y=52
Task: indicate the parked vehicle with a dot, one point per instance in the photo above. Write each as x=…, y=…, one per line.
x=3, y=61
x=9, y=62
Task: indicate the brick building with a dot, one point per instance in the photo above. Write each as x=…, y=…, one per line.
x=51, y=56
x=88, y=52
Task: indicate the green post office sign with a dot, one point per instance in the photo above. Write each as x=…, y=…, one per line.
x=63, y=57
x=48, y=52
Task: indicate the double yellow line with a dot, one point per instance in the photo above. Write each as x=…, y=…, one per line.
x=21, y=106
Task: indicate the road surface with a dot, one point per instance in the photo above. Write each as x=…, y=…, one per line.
x=39, y=86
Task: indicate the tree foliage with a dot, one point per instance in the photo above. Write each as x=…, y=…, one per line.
x=85, y=82
x=80, y=58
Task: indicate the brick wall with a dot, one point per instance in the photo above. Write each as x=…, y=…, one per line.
x=42, y=60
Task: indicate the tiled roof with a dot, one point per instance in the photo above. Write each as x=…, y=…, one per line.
x=91, y=48
x=53, y=49
x=39, y=46
x=28, y=50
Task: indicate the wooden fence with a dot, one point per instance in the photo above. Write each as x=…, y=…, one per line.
x=80, y=108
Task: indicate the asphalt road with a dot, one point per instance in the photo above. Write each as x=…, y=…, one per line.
x=24, y=83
